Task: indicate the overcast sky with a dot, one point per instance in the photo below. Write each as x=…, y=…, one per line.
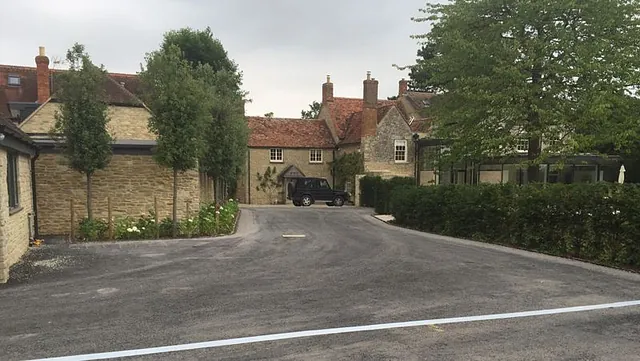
x=285, y=48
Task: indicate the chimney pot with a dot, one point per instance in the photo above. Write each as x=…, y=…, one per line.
x=327, y=91
x=368, y=75
x=42, y=76
x=403, y=87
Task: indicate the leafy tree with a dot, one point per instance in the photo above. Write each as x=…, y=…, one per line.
x=268, y=115
x=313, y=112
x=200, y=47
x=346, y=167
x=526, y=70
x=227, y=132
x=393, y=97
x=180, y=109
x=81, y=124
x=269, y=183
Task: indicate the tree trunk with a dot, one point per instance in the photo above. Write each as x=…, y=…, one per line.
x=533, y=171
x=174, y=230
x=89, y=205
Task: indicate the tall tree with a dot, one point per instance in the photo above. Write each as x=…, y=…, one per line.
x=227, y=132
x=180, y=110
x=81, y=124
x=313, y=112
x=526, y=70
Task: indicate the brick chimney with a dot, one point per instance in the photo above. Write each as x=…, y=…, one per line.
x=369, y=108
x=327, y=91
x=403, y=87
x=42, y=76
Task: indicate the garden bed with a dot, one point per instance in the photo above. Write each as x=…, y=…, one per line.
x=210, y=220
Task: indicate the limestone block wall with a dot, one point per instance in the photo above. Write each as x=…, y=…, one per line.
x=14, y=224
x=132, y=182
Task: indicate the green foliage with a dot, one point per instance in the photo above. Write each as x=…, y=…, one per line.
x=268, y=115
x=227, y=133
x=80, y=127
x=200, y=47
x=179, y=104
x=512, y=70
x=92, y=230
x=313, y=112
x=597, y=222
x=211, y=220
x=346, y=167
x=269, y=183
x=376, y=192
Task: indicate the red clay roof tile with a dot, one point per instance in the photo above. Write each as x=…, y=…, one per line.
x=289, y=133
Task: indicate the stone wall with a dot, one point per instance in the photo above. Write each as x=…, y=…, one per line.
x=14, y=225
x=259, y=161
x=379, y=149
x=124, y=123
x=131, y=181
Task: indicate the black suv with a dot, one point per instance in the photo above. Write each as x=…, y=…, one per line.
x=306, y=191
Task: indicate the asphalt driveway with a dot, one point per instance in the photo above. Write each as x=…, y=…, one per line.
x=349, y=270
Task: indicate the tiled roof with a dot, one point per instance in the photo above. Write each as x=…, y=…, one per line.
x=289, y=133
x=342, y=108
x=27, y=91
x=9, y=127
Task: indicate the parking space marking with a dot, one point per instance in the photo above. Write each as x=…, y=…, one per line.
x=293, y=236
x=333, y=331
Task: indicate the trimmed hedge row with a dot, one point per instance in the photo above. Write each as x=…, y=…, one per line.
x=598, y=222
x=376, y=192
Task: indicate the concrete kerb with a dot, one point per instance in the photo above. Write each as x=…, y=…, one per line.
x=237, y=232
x=617, y=272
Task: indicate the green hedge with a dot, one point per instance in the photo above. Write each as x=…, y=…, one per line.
x=375, y=192
x=598, y=222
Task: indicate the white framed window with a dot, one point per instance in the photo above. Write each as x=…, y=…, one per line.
x=315, y=156
x=13, y=80
x=522, y=146
x=275, y=155
x=400, y=151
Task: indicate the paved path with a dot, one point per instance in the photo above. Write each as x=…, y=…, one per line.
x=350, y=269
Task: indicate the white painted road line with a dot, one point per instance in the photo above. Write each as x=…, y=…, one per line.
x=333, y=331
x=293, y=236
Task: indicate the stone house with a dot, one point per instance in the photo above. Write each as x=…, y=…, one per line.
x=131, y=180
x=294, y=147
x=382, y=130
x=17, y=156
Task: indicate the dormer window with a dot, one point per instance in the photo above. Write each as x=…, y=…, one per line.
x=13, y=80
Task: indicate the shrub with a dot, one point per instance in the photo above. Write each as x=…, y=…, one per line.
x=209, y=221
x=376, y=192
x=598, y=222
x=92, y=230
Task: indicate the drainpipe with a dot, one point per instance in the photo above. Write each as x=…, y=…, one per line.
x=333, y=166
x=33, y=194
x=249, y=175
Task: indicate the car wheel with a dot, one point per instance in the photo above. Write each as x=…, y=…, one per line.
x=330, y=204
x=306, y=201
x=297, y=203
x=338, y=201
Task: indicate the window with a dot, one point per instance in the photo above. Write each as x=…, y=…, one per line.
x=275, y=155
x=400, y=151
x=14, y=80
x=522, y=146
x=324, y=184
x=12, y=180
x=315, y=156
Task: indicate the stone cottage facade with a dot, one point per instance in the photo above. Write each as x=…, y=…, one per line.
x=17, y=154
x=131, y=180
x=382, y=130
